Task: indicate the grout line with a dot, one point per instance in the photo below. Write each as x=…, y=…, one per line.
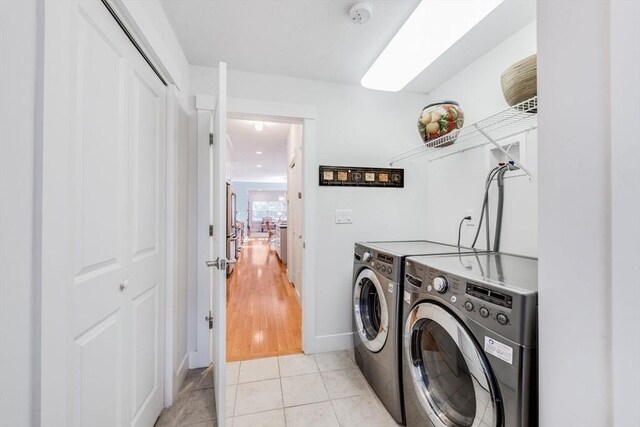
x=278, y=363
x=335, y=413
x=284, y=414
x=235, y=397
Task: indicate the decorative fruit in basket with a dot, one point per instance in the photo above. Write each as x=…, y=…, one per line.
x=439, y=119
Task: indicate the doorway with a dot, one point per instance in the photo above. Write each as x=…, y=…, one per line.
x=264, y=316
x=212, y=115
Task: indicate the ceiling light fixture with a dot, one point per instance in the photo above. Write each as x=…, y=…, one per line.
x=259, y=166
x=259, y=126
x=258, y=152
x=433, y=27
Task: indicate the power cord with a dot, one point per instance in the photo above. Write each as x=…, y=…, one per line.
x=485, y=204
x=466, y=218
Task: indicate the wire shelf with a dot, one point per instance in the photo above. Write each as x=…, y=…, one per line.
x=513, y=121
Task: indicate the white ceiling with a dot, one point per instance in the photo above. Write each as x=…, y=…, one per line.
x=315, y=39
x=246, y=141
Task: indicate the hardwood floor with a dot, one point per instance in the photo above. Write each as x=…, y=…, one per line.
x=263, y=313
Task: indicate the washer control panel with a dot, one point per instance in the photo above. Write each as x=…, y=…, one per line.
x=382, y=263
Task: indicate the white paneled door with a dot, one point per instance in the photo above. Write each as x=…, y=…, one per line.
x=103, y=189
x=219, y=221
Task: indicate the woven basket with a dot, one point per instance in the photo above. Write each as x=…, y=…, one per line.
x=519, y=81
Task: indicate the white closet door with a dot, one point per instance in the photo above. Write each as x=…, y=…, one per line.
x=102, y=223
x=146, y=255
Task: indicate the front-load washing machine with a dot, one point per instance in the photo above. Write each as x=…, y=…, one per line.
x=470, y=340
x=377, y=288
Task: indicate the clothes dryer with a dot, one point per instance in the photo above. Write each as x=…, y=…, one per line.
x=377, y=288
x=470, y=341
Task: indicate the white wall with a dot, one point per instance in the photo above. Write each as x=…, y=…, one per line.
x=625, y=200
x=456, y=183
x=177, y=306
x=354, y=126
x=163, y=46
x=19, y=40
x=575, y=214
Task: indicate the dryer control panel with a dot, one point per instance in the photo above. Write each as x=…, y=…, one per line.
x=495, y=308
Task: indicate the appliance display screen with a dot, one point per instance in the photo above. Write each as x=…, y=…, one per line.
x=489, y=295
x=385, y=258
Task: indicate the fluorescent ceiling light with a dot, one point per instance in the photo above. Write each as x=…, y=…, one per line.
x=259, y=166
x=431, y=29
x=259, y=126
x=258, y=152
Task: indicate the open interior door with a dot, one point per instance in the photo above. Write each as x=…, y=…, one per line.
x=218, y=263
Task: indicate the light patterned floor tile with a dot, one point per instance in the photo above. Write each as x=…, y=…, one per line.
x=303, y=389
x=199, y=407
x=297, y=364
x=361, y=411
x=261, y=419
x=233, y=369
x=258, y=396
x=345, y=383
x=258, y=370
x=334, y=360
x=313, y=415
x=230, y=399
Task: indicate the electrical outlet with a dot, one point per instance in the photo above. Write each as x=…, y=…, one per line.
x=472, y=222
x=344, y=216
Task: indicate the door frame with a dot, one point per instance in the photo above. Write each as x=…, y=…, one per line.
x=237, y=108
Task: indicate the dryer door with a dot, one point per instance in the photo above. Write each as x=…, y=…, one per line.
x=370, y=310
x=450, y=374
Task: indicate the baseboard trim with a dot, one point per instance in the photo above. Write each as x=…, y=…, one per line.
x=334, y=342
x=181, y=374
x=198, y=359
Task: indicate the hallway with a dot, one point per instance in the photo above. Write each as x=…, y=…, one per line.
x=263, y=312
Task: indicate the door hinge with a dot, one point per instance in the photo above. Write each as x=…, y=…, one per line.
x=209, y=319
x=211, y=138
x=211, y=231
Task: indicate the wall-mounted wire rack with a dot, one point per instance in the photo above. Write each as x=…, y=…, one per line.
x=508, y=123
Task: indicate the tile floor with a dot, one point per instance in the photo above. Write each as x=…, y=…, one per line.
x=323, y=390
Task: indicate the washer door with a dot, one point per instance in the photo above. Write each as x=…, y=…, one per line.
x=370, y=310
x=450, y=374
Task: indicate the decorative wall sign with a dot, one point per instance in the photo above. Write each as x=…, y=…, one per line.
x=347, y=176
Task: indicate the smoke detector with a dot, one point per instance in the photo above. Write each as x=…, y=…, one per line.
x=360, y=12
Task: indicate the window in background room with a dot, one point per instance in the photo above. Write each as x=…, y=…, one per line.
x=268, y=209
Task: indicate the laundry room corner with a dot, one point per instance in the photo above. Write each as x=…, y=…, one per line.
x=477, y=88
x=290, y=213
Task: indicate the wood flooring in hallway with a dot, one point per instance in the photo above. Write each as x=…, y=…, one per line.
x=263, y=313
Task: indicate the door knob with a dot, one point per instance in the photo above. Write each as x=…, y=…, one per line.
x=124, y=284
x=220, y=263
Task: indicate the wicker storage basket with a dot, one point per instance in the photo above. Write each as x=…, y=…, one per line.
x=519, y=81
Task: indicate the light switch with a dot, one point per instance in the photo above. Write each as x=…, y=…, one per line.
x=344, y=216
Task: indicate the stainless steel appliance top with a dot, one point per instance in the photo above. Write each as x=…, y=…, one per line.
x=514, y=272
x=417, y=247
